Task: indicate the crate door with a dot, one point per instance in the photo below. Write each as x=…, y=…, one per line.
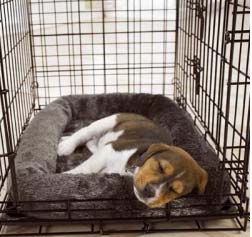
x=212, y=79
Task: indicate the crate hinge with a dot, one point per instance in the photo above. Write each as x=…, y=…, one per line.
x=197, y=69
x=200, y=9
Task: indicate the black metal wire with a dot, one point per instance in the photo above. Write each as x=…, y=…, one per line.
x=198, y=48
x=15, y=86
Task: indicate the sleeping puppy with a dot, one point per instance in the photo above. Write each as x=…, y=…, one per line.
x=132, y=144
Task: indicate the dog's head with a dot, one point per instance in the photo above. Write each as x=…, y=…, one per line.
x=165, y=173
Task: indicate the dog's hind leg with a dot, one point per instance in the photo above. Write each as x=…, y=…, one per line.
x=92, y=145
x=94, y=164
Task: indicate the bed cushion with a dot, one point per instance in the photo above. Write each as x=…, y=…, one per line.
x=105, y=196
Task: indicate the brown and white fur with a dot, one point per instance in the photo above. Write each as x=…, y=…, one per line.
x=132, y=144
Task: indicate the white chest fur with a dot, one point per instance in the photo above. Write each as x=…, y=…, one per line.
x=116, y=161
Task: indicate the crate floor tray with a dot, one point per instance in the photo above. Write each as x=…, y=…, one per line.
x=47, y=193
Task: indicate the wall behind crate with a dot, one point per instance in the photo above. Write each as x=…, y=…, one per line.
x=78, y=49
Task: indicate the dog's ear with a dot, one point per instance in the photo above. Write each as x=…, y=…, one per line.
x=156, y=148
x=152, y=150
x=202, y=180
x=202, y=176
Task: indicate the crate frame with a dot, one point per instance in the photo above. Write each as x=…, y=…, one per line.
x=21, y=99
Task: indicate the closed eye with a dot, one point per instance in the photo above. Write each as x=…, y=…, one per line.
x=172, y=190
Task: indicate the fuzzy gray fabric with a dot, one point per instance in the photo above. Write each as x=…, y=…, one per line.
x=37, y=162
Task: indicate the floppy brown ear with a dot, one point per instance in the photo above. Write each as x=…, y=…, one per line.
x=202, y=180
x=152, y=150
x=178, y=186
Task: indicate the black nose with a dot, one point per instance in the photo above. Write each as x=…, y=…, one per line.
x=148, y=191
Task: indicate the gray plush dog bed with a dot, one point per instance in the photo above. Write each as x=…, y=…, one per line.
x=38, y=168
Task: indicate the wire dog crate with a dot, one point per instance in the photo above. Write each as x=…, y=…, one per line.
x=194, y=51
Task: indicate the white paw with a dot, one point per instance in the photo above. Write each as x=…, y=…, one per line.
x=66, y=147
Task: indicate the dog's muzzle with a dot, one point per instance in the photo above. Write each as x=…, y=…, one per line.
x=146, y=195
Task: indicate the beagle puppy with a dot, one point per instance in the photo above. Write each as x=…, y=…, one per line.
x=132, y=144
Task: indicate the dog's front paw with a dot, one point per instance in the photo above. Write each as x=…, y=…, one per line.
x=66, y=147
